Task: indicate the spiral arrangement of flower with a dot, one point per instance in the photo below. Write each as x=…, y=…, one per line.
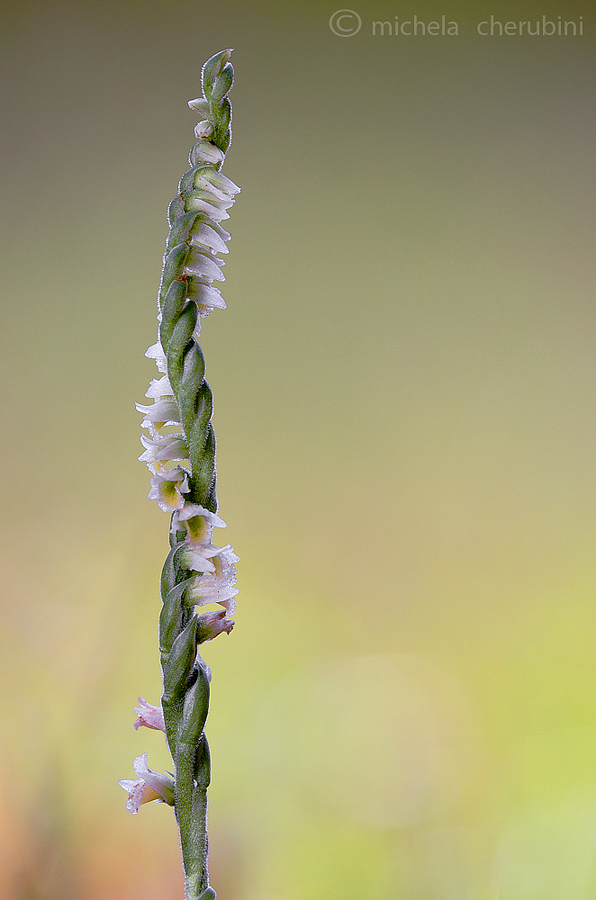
x=179, y=449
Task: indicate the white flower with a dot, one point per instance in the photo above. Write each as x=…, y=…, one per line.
x=203, y=130
x=160, y=388
x=205, y=296
x=149, y=786
x=167, y=487
x=216, y=209
x=206, y=152
x=216, y=582
x=198, y=522
x=199, y=561
x=222, y=187
x=203, y=263
x=150, y=716
x=211, y=236
x=155, y=351
x=159, y=414
x=168, y=446
x=217, y=586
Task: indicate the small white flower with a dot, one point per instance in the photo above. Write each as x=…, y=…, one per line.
x=198, y=560
x=213, y=194
x=159, y=414
x=225, y=572
x=164, y=409
x=195, y=509
x=203, y=263
x=205, y=296
x=216, y=210
x=217, y=184
x=168, y=446
x=215, y=587
x=206, y=191
x=198, y=522
x=155, y=351
x=204, y=130
x=216, y=582
x=208, y=236
x=221, y=181
x=221, y=232
x=167, y=487
x=208, y=153
x=149, y=786
x=228, y=556
x=160, y=388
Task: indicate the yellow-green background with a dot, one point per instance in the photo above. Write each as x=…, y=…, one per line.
x=404, y=385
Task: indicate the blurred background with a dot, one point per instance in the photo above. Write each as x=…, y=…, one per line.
x=405, y=409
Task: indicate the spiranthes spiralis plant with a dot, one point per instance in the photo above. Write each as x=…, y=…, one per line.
x=180, y=453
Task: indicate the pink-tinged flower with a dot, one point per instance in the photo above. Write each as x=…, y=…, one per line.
x=215, y=585
x=209, y=588
x=218, y=573
x=149, y=786
x=213, y=623
x=199, y=560
x=204, y=130
x=167, y=488
x=150, y=716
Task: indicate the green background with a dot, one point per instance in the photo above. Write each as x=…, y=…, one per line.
x=404, y=384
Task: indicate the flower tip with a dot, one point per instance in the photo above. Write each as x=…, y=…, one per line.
x=213, y=69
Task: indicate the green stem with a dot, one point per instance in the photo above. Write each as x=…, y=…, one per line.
x=191, y=813
x=186, y=685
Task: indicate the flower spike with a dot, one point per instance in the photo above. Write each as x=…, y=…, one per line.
x=179, y=449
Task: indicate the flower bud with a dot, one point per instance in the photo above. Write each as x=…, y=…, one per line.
x=213, y=623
